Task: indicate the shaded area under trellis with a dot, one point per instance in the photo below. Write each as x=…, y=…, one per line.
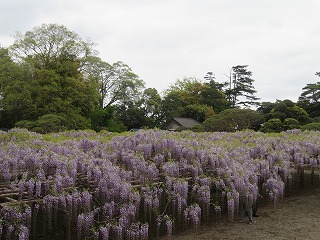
x=61, y=225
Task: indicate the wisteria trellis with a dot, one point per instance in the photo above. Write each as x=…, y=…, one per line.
x=140, y=185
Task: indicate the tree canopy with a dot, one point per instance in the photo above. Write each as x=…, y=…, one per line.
x=45, y=46
x=190, y=97
x=116, y=81
x=50, y=71
x=310, y=98
x=45, y=77
x=241, y=91
x=231, y=120
x=53, y=80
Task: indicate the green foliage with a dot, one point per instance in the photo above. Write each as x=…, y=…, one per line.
x=218, y=123
x=25, y=124
x=291, y=123
x=188, y=90
x=283, y=110
x=315, y=126
x=19, y=135
x=104, y=119
x=171, y=106
x=61, y=122
x=150, y=103
x=48, y=80
x=191, y=98
x=198, y=112
x=311, y=92
x=76, y=121
x=197, y=128
x=316, y=119
x=313, y=109
x=16, y=100
x=214, y=97
x=55, y=123
x=300, y=114
x=272, y=125
x=279, y=115
x=231, y=120
x=241, y=91
x=310, y=99
x=288, y=103
x=131, y=116
x=45, y=46
x=266, y=107
x=52, y=80
x=116, y=126
x=54, y=93
x=45, y=124
x=116, y=82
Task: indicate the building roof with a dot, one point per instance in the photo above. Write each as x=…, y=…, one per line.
x=186, y=122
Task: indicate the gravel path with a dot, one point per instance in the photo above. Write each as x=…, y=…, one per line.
x=296, y=217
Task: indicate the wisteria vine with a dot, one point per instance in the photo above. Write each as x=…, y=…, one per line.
x=82, y=184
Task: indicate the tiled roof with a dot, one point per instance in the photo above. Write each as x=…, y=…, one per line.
x=186, y=122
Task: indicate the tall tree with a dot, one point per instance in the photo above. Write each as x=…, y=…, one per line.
x=265, y=108
x=311, y=92
x=54, y=59
x=15, y=91
x=310, y=98
x=150, y=103
x=214, y=96
x=191, y=91
x=131, y=115
x=115, y=81
x=46, y=44
x=241, y=90
x=231, y=120
x=284, y=109
x=198, y=112
x=127, y=107
x=171, y=105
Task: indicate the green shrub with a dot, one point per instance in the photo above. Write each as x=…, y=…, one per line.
x=315, y=126
x=197, y=128
x=37, y=130
x=316, y=119
x=25, y=124
x=50, y=123
x=291, y=123
x=272, y=125
x=231, y=120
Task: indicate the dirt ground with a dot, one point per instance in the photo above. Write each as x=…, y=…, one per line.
x=296, y=217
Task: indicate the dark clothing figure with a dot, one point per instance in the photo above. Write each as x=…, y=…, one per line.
x=255, y=209
x=247, y=211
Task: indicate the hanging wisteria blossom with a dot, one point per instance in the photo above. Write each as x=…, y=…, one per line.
x=87, y=185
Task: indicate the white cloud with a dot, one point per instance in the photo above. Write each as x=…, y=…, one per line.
x=169, y=39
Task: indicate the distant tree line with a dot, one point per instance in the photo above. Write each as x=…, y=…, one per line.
x=52, y=80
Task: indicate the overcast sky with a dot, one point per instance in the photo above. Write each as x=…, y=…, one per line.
x=166, y=40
